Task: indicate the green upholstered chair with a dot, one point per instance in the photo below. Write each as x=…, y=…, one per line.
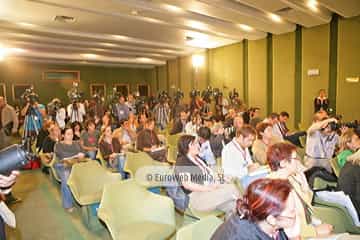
x=139, y=165
x=320, y=183
x=104, y=163
x=335, y=166
x=86, y=182
x=189, y=212
x=130, y=211
x=336, y=215
x=172, y=154
x=200, y=230
x=44, y=158
x=173, y=139
x=55, y=177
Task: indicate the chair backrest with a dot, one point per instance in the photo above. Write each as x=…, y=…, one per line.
x=200, y=230
x=127, y=202
x=87, y=181
x=172, y=154
x=173, y=139
x=52, y=168
x=102, y=160
x=335, y=166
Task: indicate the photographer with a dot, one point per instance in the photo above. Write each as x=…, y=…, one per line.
x=76, y=112
x=131, y=103
x=321, y=142
x=178, y=106
x=8, y=122
x=162, y=111
x=121, y=110
x=57, y=112
x=6, y=216
x=36, y=111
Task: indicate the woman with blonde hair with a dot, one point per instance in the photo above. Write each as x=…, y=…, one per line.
x=347, y=146
x=349, y=179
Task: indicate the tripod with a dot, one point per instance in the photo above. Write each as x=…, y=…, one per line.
x=31, y=128
x=75, y=116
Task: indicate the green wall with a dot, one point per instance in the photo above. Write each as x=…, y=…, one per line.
x=348, y=66
x=19, y=72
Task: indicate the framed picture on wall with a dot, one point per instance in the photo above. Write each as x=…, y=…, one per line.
x=18, y=90
x=61, y=75
x=123, y=88
x=3, y=90
x=98, y=88
x=143, y=89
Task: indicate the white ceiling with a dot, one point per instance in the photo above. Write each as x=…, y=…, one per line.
x=146, y=33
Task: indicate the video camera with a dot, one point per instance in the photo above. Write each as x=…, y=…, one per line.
x=74, y=94
x=206, y=94
x=12, y=158
x=178, y=95
x=217, y=93
x=29, y=96
x=233, y=94
x=336, y=126
x=54, y=106
x=194, y=93
x=163, y=96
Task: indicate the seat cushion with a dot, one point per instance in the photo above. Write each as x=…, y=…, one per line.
x=146, y=231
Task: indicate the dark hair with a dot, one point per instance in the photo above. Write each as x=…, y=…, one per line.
x=245, y=131
x=262, y=198
x=88, y=123
x=260, y=128
x=65, y=129
x=274, y=115
x=285, y=114
x=204, y=132
x=149, y=120
x=74, y=124
x=279, y=152
x=183, y=144
x=357, y=131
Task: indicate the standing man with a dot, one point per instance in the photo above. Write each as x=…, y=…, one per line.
x=121, y=110
x=8, y=122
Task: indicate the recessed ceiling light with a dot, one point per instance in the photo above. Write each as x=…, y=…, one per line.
x=197, y=24
x=134, y=12
x=108, y=44
x=173, y=8
x=152, y=20
x=197, y=61
x=201, y=43
x=245, y=27
x=274, y=17
x=89, y=55
x=17, y=50
x=313, y=5
x=120, y=37
x=24, y=24
x=143, y=59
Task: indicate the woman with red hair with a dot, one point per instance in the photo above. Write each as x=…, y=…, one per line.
x=285, y=164
x=267, y=207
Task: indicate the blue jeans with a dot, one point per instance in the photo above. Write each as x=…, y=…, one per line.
x=91, y=154
x=66, y=195
x=119, y=163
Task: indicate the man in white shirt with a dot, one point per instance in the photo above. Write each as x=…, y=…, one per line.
x=206, y=152
x=76, y=112
x=236, y=159
x=273, y=119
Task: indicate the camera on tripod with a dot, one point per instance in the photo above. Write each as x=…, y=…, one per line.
x=206, y=94
x=233, y=95
x=178, y=95
x=74, y=94
x=334, y=126
x=217, y=93
x=163, y=96
x=29, y=96
x=194, y=93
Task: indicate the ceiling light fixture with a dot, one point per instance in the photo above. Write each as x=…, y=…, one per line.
x=24, y=24
x=143, y=59
x=197, y=25
x=313, y=5
x=275, y=18
x=89, y=55
x=197, y=61
x=245, y=27
x=152, y=20
x=134, y=12
x=120, y=37
x=173, y=8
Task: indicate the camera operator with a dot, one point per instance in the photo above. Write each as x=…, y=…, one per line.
x=178, y=106
x=131, y=103
x=6, y=216
x=196, y=102
x=57, y=112
x=76, y=112
x=121, y=110
x=96, y=108
x=37, y=111
x=221, y=105
x=8, y=122
x=162, y=111
x=321, y=142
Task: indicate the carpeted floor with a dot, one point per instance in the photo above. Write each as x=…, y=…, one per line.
x=40, y=215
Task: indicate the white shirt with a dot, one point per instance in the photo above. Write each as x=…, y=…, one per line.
x=191, y=129
x=76, y=116
x=60, y=117
x=235, y=160
x=277, y=132
x=207, y=154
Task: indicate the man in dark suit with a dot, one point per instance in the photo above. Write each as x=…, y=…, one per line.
x=179, y=123
x=285, y=132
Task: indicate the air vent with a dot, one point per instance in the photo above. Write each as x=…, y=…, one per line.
x=188, y=38
x=64, y=19
x=283, y=10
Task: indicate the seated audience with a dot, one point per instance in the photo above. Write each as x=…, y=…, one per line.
x=217, y=139
x=273, y=119
x=148, y=141
x=141, y=122
x=193, y=126
x=133, y=124
x=50, y=141
x=349, y=179
x=320, y=143
x=349, y=143
x=106, y=121
x=254, y=117
x=267, y=207
x=43, y=133
x=199, y=183
x=292, y=137
x=236, y=159
x=179, y=123
x=206, y=152
x=110, y=149
x=89, y=139
x=230, y=132
x=284, y=163
x=263, y=141
x=76, y=127
x=66, y=152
